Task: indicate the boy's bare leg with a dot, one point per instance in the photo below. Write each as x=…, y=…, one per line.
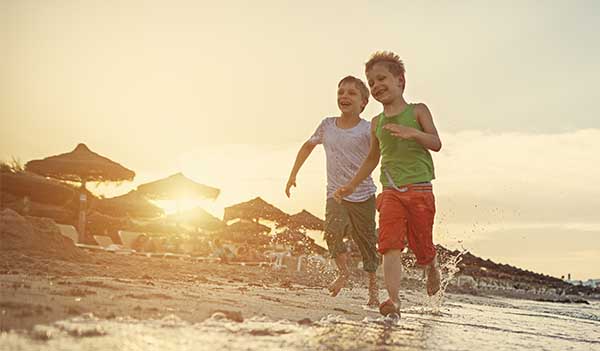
x=373, y=290
x=392, y=273
x=341, y=260
x=433, y=277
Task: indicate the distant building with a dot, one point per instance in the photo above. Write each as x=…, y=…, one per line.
x=592, y=283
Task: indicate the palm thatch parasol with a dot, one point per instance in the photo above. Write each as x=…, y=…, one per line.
x=305, y=220
x=37, y=188
x=254, y=210
x=298, y=241
x=176, y=187
x=80, y=165
x=245, y=232
x=197, y=218
x=157, y=226
x=133, y=204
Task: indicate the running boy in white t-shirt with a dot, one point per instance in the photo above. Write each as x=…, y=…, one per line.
x=346, y=140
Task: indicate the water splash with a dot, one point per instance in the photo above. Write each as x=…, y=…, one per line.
x=449, y=268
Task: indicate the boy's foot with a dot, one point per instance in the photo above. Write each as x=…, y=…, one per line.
x=434, y=277
x=373, y=301
x=338, y=284
x=373, y=297
x=389, y=307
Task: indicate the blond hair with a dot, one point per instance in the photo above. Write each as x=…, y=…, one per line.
x=360, y=85
x=391, y=61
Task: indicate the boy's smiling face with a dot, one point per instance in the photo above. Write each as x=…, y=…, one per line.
x=385, y=87
x=349, y=99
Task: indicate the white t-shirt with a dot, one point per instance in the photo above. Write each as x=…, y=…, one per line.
x=346, y=149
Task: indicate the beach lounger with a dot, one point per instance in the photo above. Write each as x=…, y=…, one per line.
x=179, y=256
x=145, y=254
x=68, y=231
x=251, y=263
x=103, y=240
x=127, y=238
x=90, y=247
x=277, y=258
x=150, y=254
x=206, y=259
x=108, y=245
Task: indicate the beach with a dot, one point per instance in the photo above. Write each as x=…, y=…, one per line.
x=37, y=290
x=105, y=299
x=56, y=295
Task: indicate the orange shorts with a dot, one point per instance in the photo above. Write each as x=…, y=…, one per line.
x=406, y=217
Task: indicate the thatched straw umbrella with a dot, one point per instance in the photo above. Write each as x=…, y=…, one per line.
x=254, y=210
x=157, y=226
x=80, y=165
x=298, y=241
x=133, y=204
x=176, y=187
x=305, y=220
x=245, y=232
x=197, y=218
x=36, y=188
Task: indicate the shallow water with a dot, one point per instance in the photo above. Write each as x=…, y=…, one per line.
x=462, y=323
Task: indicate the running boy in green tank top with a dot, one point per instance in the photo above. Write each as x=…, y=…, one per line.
x=402, y=136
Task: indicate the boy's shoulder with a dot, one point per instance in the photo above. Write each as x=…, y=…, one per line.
x=375, y=118
x=328, y=121
x=420, y=107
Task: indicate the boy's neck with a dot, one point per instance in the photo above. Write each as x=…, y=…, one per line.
x=346, y=121
x=395, y=107
x=349, y=116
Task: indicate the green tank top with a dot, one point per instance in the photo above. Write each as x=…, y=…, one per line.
x=406, y=161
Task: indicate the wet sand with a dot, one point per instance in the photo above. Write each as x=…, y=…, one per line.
x=45, y=278
x=37, y=290
x=139, y=303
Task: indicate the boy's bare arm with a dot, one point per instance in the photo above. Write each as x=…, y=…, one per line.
x=429, y=137
x=303, y=153
x=365, y=169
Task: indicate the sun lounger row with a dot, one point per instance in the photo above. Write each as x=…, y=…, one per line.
x=275, y=259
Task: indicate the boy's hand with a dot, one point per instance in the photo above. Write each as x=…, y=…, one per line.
x=342, y=192
x=291, y=183
x=401, y=132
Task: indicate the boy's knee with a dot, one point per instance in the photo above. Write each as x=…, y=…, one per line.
x=370, y=266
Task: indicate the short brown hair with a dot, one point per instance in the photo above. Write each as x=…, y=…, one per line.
x=392, y=62
x=360, y=85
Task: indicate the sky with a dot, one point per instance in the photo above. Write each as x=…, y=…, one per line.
x=227, y=91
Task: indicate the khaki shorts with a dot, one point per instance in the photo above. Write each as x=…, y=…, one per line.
x=355, y=220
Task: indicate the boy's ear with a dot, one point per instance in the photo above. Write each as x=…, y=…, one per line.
x=401, y=81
